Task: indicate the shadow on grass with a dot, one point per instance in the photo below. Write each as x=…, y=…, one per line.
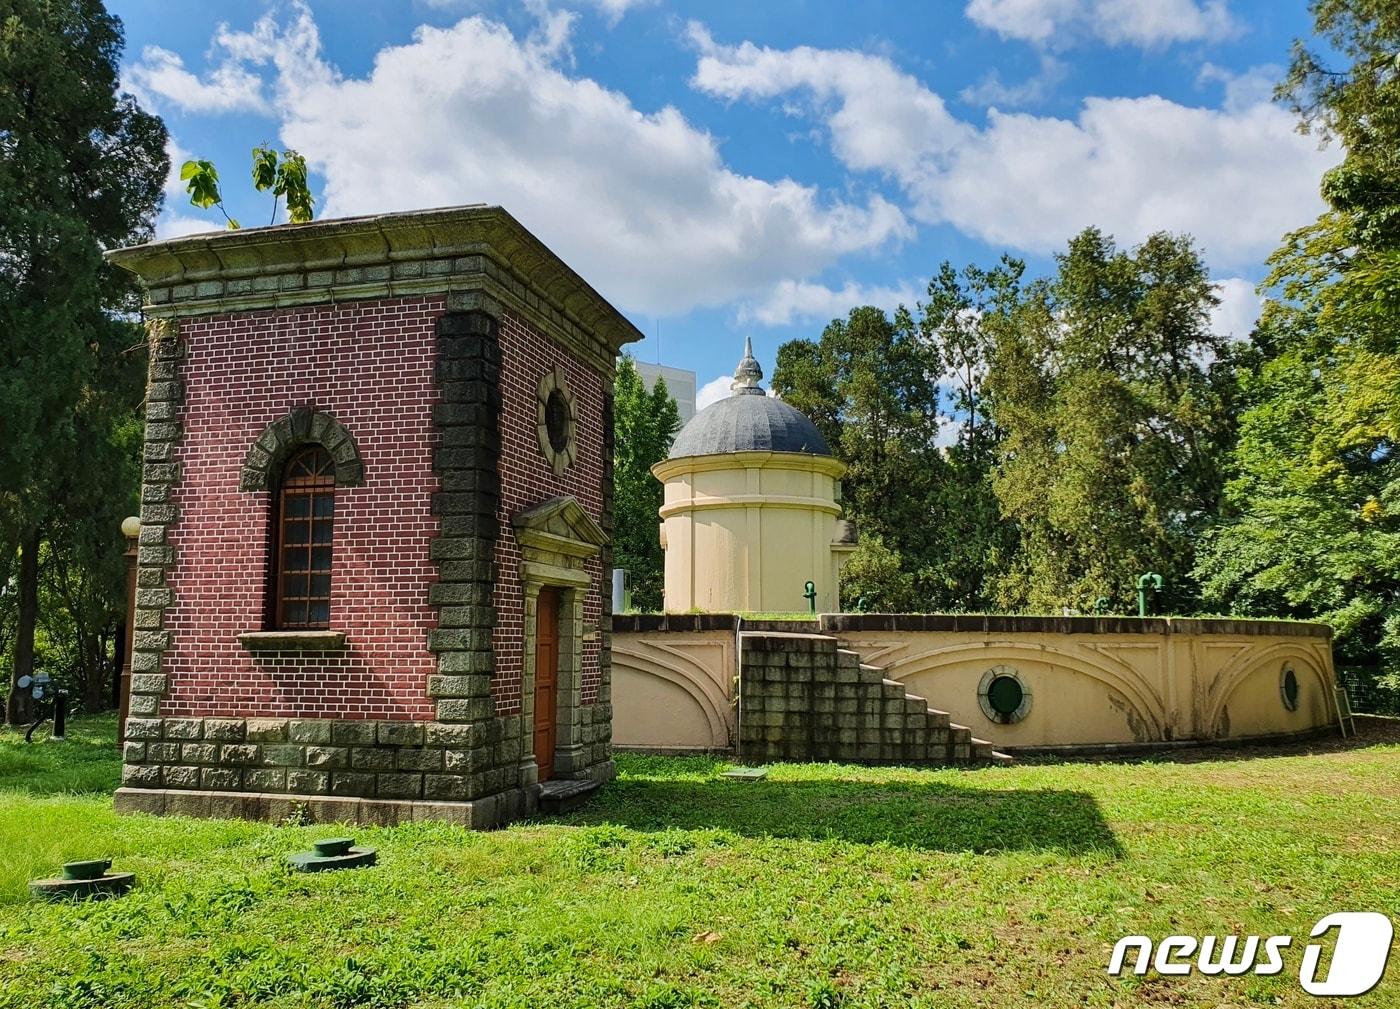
x=928, y=816
x=86, y=761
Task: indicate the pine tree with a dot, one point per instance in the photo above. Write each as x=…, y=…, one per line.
x=81, y=171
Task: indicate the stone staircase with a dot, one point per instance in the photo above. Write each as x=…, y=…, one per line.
x=803, y=697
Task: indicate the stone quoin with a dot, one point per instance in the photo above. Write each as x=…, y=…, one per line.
x=373, y=567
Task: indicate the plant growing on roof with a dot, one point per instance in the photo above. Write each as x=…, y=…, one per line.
x=284, y=175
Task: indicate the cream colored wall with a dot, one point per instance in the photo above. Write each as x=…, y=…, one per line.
x=1115, y=688
x=675, y=689
x=744, y=532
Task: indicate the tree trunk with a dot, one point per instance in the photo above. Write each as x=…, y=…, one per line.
x=20, y=707
x=118, y=664
x=95, y=655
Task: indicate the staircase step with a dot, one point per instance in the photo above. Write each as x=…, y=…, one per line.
x=938, y=719
x=1002, y=758
x=564, y=794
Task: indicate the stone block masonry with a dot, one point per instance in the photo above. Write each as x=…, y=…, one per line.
x=801, y=697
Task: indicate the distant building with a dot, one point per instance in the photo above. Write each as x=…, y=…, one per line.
x=679, y=383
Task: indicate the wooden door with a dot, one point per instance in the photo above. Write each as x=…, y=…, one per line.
x=546, y=679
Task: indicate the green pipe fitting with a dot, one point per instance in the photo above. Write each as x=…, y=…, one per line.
x=1153, y=580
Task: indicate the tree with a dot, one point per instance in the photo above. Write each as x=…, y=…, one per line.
x=81, y=170
x=646, y=424
x=1314, y=529
x=1115, y=398
x=966, y=316
x=870, y=385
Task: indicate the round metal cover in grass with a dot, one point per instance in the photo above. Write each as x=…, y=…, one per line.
x=332, y=853
x=1289, y=689
x=1002, y=695
x=84, y=880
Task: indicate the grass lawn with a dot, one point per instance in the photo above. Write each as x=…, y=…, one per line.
x=822, y=886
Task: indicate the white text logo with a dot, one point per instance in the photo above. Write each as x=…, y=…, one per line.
x=1358, y=961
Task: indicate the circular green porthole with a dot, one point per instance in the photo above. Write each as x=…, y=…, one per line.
x=1289, y=689
x=1003, y=696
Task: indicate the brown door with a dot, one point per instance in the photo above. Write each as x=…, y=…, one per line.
x=546, y=679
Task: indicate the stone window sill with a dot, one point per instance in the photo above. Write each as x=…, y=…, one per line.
x=293, y=641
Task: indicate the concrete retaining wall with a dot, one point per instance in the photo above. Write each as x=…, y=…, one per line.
x=1090, y=680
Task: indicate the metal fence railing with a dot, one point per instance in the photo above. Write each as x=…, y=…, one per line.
x=1368, y=694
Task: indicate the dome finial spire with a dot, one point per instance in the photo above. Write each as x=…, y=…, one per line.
x=748, y=373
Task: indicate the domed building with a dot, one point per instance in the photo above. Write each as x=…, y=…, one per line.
x=750, y=513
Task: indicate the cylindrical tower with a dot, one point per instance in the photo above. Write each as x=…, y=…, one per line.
x=750, y=513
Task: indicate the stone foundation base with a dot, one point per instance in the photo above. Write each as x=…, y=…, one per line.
x=272, y=807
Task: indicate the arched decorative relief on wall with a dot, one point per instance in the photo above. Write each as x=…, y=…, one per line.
x=1145, y=700
x=1306, y=665
x=876, y=654
x=1122, y=653
x=303, y=426
x=687, y=672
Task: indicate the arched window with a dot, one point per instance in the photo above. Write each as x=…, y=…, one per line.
x=305, y=517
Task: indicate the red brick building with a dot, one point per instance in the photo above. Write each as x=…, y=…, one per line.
x=373, y=572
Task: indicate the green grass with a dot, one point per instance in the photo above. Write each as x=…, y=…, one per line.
x=820, y=886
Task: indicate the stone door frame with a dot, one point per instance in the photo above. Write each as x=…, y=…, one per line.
x=556, y=539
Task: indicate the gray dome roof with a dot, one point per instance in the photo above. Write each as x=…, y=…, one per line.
x=748, y=421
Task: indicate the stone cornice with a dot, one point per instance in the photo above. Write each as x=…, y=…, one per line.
x=801, y=461
x=972, y=623
x=453, y=251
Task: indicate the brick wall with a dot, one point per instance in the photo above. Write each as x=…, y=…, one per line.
x=527, y=479
x=370, y=365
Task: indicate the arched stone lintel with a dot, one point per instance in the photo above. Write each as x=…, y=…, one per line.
x=303, y=426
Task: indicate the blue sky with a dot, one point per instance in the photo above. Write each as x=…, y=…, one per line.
x=722, y=170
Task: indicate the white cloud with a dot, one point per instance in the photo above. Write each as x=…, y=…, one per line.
x=1238, y=310
x=1143, y=23
x=179, y=225
x=949, y=430
x=879, y=116
x=614, y=10
x=990, y=90
x=713, y=391
x=174, y=188
x=1236, y=178
x=1254, y=86
x=639, y=202
x=161, y=78
x=803, y=301
x=1236, y=181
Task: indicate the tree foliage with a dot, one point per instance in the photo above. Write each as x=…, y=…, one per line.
x=866, y=384
x=81, y=171
x=1115, y=401
x=917, y=448
x=646, y=423
x=1315, y=495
